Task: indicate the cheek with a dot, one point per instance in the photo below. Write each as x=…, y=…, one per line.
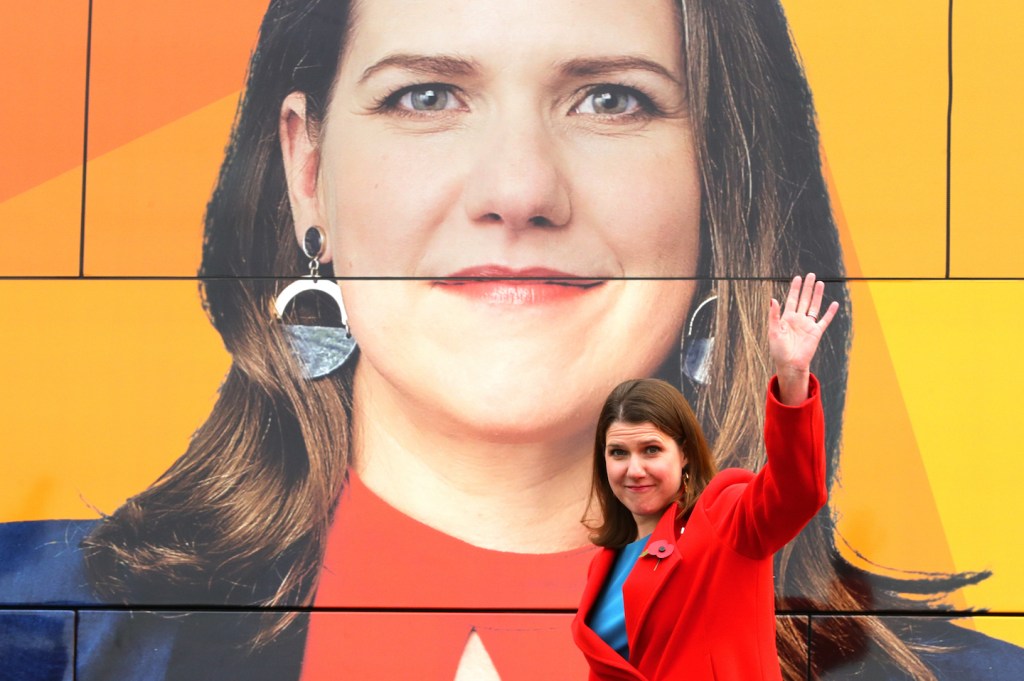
x=659, y=233
x=643, y=327
x=672, y=474
x=617, y=472
x=611, y=470
x=383, y=205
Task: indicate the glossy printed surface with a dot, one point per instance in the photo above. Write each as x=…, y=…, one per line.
x=106, y=380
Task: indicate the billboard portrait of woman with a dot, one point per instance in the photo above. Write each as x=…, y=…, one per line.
x=522, y=204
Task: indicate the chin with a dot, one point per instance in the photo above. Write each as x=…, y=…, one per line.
x=522, y=423
x=517, y=411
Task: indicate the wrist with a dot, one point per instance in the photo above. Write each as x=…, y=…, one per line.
x=794, y=385
x=790, y=373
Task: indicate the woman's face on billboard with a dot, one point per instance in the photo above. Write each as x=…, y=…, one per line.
x=546, y=139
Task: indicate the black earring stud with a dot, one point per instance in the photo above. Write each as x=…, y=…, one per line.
x=313, y=242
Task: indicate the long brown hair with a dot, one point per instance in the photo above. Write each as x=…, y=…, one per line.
x=646, y=400
x=766, y=214
x=243, y=515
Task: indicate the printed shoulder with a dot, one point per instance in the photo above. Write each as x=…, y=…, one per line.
x=43, y=563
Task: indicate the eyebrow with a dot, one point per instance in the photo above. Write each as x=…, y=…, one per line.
x=585, y=67
x=448, y=66
x=648, y=441
x=445, y=66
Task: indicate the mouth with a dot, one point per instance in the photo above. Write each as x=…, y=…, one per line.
x=525, y=286
x=639, y=488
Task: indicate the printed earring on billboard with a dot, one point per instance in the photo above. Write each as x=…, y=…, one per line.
x=697, y=350
x=320, y=350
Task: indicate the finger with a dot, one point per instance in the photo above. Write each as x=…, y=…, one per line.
x=774, y=313
x=815, y=307
x=794, y=294
x=805, y=294
x=826, y=318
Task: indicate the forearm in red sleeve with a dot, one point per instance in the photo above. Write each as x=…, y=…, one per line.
x=760, y=516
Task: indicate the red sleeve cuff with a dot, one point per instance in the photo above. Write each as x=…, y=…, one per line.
x=813, y=392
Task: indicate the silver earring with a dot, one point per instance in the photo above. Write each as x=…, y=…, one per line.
x=697, y=350
x=320, y=350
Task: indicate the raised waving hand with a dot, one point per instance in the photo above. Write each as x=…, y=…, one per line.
x=794, y=333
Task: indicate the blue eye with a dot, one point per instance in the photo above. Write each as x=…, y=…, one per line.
x=427, y=98
x=607, y=100
x=424, y=98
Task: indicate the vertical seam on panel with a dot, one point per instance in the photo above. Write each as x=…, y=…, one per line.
x=74, y=649
x=85, y=144
x=949, y=135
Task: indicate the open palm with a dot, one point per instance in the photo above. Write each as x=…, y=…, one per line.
x=794, y=332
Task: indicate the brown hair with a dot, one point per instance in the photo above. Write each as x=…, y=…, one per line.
x=646, y=400
x=766, y=214
x=243, y=515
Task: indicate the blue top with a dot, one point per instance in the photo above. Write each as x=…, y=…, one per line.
x=608, y=618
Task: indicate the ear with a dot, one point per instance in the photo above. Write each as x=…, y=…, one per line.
x=301, y=157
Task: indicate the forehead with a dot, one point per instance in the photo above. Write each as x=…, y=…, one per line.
x=623, y=431
x=506, y=33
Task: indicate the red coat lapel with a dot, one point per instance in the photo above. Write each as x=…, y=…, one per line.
x=612, y=665
x=651, y=574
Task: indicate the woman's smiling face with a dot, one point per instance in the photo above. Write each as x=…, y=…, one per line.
x=546, y=139
x=644, y=466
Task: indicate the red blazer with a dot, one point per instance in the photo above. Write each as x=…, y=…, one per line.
x=708, y=610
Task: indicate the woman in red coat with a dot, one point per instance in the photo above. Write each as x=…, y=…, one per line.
x=683, y=587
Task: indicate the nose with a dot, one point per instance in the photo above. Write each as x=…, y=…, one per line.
x=635, y=470
x=517, y=179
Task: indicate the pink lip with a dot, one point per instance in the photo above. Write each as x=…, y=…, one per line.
x=639, y=488
x=523, y=286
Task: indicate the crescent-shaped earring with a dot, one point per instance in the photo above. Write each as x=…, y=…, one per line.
x=696, y=349
x=320, y=350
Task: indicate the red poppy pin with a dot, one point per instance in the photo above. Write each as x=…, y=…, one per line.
x=659, y=549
